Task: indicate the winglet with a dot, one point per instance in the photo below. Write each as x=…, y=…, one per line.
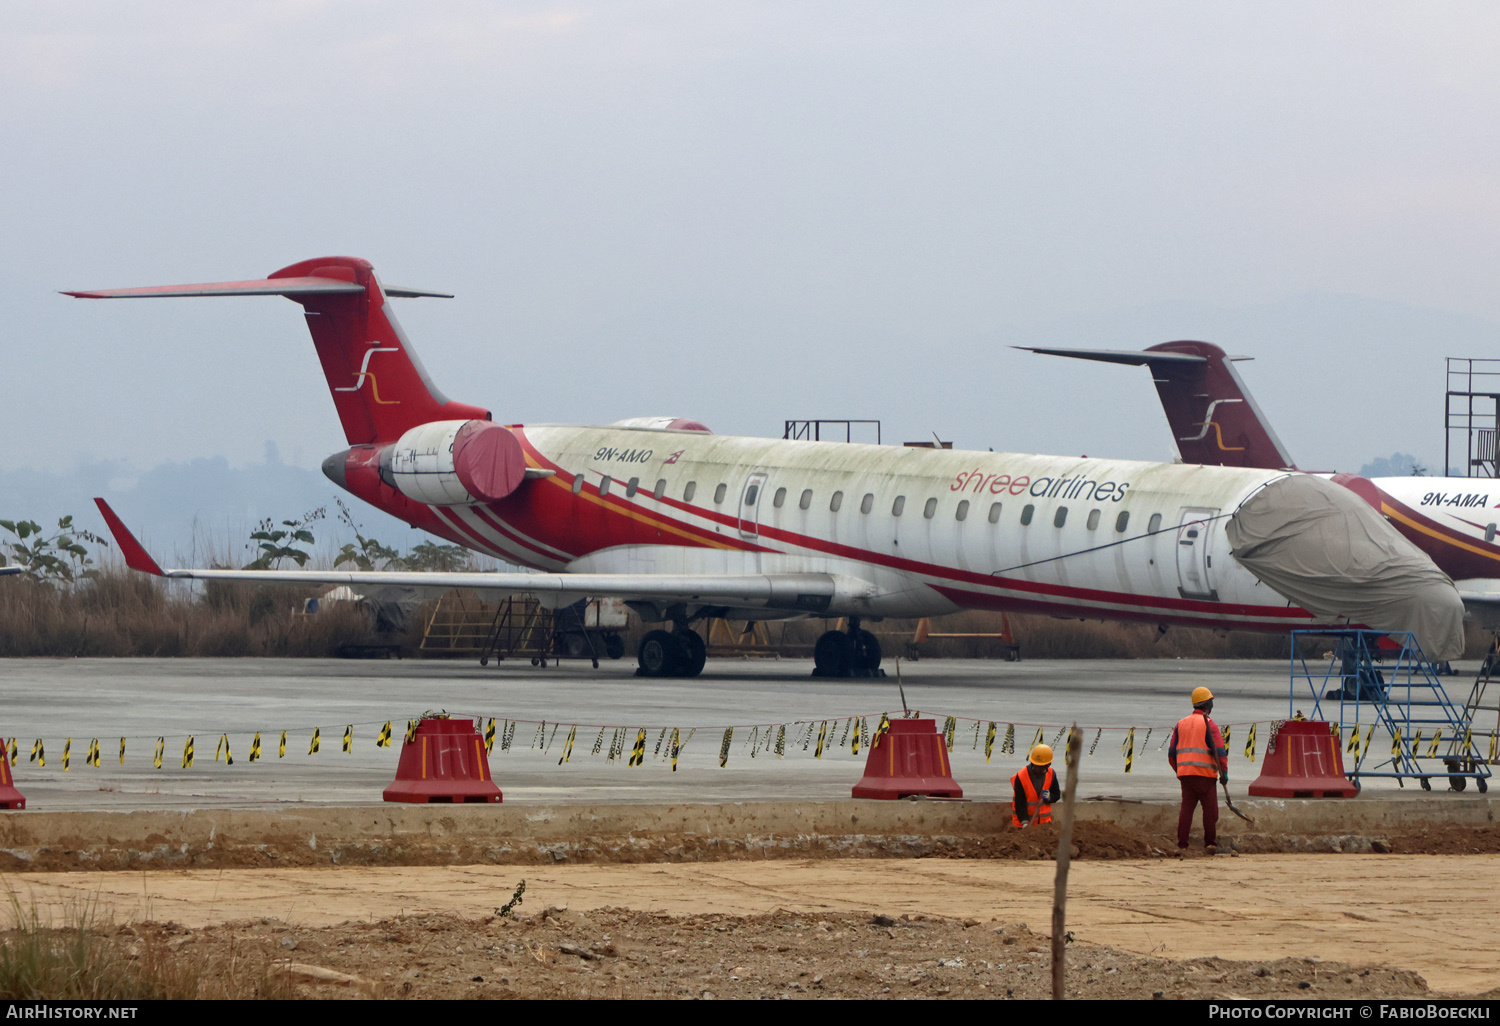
x=136, y=557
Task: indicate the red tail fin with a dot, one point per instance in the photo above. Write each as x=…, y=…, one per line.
x=1213, y=416
x=379, y=386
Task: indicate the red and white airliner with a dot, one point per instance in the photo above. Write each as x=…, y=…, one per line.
x=1216, y=422
x=685, y=524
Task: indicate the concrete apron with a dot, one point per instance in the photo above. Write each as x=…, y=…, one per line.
x=521, y=834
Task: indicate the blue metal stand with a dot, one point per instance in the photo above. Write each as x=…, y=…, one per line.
x=1399, y=696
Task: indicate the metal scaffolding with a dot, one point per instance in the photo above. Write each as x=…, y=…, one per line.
x=1471, y=417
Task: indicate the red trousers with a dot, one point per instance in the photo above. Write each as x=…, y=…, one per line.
x=1199, y=791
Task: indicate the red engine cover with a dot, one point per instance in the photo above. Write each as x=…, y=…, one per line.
x=488, y=460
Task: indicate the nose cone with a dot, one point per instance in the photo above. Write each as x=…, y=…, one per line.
x=1329, y=551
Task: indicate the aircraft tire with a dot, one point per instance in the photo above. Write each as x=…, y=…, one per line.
x=833, y=654
x=660, y=655
x=865, y=655
x=614, y=646
x=695, y=652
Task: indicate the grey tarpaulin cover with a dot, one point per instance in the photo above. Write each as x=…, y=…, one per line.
x=1322, y=546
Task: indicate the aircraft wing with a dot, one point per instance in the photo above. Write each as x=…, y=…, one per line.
x=1479, y=591
x=810, y=592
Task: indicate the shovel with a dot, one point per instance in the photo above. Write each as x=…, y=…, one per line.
x=1230, y=802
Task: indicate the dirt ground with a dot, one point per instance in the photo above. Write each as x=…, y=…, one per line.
x=622, y=953
x=1191, y=926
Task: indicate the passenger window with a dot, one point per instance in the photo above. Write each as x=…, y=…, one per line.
x=898, y=505
x=632, y=486
x=661, y=489
x=806, y=500
x=1093, y=523
x=1026, y=514
x=994, y=513
x=689, y=491
x=780, y=499
x=751, y=494
x=1060, y=517
x=930, y=509
x=719, y=493
x=604, y=483
x=1154, y=524
x=577, y=483
x=867, y=503
x=962, y=512
x=835, y=502
x=1121, y=522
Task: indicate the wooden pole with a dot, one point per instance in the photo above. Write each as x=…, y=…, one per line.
x=1064, y=858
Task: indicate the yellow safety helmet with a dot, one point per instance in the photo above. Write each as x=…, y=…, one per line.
x=1041, y=755
x=1201, y=695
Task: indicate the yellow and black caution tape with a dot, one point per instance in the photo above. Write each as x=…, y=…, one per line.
x=411, y=731
x=1494, y=746
x=1008, y=746
x=780, y=743
x=349, y=738
x=317, y=742
x=1353, y=747
x=255, y=747
x=599, y=741
x=1226, y=737
x=281, y=746
x=1396, y=743
x=989, y=742
x=729, y=736
x=1097, y=735
x=15, y=752
x=161, y=750
x=38, y=753
x=1057, y=741
x=94, y=750
x=859, y=731
x=223, y=747
x=676, y=747
x=67, y=748
x=638, y=751
x=1034, y=741
x=1129, y=749
x=1338, y=734
x=1250, y=743
x=882, y=728
x=755, y=739
x=1416, y=743
x=1432, y=747
x=122, y=751
x=383, y=739
x=950, y=725
x=489, y=736
x=822, y=736
x=1369, y=736
x=567, y=745
x=187, y=752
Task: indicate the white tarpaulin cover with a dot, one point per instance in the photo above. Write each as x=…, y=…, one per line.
x=1327, y=550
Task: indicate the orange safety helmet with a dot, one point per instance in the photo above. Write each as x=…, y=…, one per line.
x=1201, y=695
x=1041, y=755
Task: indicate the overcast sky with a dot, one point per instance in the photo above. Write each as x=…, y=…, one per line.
x=743, y=212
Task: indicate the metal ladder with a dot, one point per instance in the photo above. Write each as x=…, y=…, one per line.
x=1423, y=726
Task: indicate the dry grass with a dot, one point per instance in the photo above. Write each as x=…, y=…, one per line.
x=85, y=957
x=121, y=613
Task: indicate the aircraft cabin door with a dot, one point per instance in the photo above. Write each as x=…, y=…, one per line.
x=749, y=514
x=1194, y=560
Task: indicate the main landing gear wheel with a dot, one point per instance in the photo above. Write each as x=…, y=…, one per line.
x=694, y=651
x=865, y=661
x=614, y=646
x=833, y=654
x=660, y=655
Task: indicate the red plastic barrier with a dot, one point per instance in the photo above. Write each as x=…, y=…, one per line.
x=10, y=798
x=1306, y=763
x=445, y=761
x=910, y=759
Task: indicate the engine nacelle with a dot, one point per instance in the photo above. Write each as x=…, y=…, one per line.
x=454, y=463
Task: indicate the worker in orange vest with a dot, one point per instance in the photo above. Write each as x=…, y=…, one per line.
x=1034, y=789
x=1197, y=753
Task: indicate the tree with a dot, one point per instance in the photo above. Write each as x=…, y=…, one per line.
x=364, y=552
x=58, y=558
x=276, y=544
